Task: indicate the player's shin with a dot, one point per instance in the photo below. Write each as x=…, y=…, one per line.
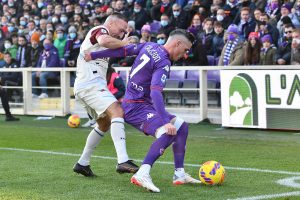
x=119, y=139
x=179, y=147
x=92, y=141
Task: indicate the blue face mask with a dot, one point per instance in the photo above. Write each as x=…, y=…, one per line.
x=37, y=22
x=20, y=31
x=23, y=23
x=72, y=35
x=63, y=19
x=161, y=41
x=11, y=29
x=42, y=37
x=40, y=4
x=164, y=23
x=60, y=35
x=47, y=46
x=176, y=13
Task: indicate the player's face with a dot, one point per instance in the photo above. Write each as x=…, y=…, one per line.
x=182, y=47
x=118, y=29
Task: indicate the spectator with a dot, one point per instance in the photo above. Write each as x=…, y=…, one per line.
x=161, y=38
x=283, y=56
x=268, y=51
x=295, y=57
x=60, y=41
x=179, y=17
x=131, y=29
x=232, y=53
x=195, y=27
x=273, y=10
x=166, y=25
x=23, y=53
x=246, y=24
x=146, y=33
x=35, y=48
x=265, y=27
x=10, y=78
x=257, y=14
x=218, y=39
x=206, y=36
x=197, y=56
x=139, y=15
x=252, y=49
x=11, y=48
x=223, y=18
x=164, y=7
x=72, y=47
x=231, y=9
x=48, y=58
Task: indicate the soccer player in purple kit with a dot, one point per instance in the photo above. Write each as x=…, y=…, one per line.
x=144, y=106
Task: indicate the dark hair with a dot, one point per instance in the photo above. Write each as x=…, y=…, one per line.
x=186, y=34
x=252, y=54
x=119, y=16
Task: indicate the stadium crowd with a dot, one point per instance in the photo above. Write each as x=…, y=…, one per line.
x=45, y=33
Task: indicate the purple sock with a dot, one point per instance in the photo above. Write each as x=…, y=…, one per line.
x=179, y=145
x=157, y=148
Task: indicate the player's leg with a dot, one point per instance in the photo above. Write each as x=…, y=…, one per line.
x=179, y=146
x=92, y=141
x=153, y=125
x=115, y=112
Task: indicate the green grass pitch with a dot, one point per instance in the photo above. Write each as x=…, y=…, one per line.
x=254, y=161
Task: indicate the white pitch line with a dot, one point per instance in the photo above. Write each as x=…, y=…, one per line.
x=290, y=182
x=270, y=196
x=138, y=160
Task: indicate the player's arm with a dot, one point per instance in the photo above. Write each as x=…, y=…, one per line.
x=157, y=85
x=128, y=50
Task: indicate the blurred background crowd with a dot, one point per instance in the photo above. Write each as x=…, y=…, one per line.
x=45, y=33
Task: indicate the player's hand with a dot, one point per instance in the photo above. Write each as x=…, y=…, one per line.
x=126, y=39
x=171, y=129
x=87, y=56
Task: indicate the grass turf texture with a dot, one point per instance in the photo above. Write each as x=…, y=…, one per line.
x=28, y=175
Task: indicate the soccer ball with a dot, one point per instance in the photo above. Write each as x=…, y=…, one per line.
x=212, y=173
x=74, y=121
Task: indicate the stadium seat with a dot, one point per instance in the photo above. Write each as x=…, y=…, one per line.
x=192, y=74
x=172, y=97
x=177, y=75
x=213, y=82
x=217, y=60
x=211, y=60
x=190, y=97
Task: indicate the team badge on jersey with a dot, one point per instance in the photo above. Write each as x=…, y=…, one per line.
x=163, y=78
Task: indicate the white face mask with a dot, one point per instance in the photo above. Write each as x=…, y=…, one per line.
x=220, y=17
x=7, y=45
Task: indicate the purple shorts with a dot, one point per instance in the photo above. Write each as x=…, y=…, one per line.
x=143, y=117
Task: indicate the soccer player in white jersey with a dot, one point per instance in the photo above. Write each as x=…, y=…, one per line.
x=91, y=91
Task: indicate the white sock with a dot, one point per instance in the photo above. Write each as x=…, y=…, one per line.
x=119, y=139
x=92, y=141
x=179, y=172
x=144, y=169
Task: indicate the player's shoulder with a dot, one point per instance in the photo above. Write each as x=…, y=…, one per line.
x=96, y=32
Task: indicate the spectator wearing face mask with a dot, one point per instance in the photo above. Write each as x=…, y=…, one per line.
x=273, y=10
x=268, y=51
x=60, y=41
x=165, y=25
x=223, y=18
x=48, y=58
x=11, y=48
x=164, y=7
x=179, y=17
x=72, y=47
x=139, y=15
x=232, y=53
x=161, y=38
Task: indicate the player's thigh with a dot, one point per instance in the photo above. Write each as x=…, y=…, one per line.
x=96, y=101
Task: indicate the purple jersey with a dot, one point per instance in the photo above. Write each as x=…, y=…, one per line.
x=149, y=72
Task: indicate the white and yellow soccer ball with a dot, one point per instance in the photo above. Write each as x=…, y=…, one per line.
x=74, y=121
x=212, y=173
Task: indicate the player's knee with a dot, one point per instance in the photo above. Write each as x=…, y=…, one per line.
x=116, y=111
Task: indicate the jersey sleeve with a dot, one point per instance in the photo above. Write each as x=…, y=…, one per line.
x=96, y=33
x=128, y=50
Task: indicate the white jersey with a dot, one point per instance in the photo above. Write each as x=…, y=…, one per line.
x=92, y=73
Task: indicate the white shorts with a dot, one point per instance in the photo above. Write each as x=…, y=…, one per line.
x=95, y=101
